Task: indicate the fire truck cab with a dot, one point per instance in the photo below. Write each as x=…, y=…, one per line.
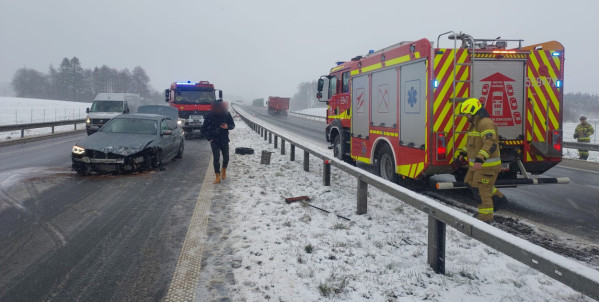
x=193, y=101
x=398, y=108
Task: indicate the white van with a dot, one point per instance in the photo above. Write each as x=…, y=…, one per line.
x=108, y=105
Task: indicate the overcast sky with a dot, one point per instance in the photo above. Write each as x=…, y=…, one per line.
x=256, y=48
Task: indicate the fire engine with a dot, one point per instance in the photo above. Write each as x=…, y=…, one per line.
x=193, y=100
x=398, y=108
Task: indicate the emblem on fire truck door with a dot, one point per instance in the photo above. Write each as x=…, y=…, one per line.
x=499, y=100
x=360, y=103
x=412, y=90
x=383, y=99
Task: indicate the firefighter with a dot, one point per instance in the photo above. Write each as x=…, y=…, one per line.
x=583, y=133
x=216, y=130
x=484, y=162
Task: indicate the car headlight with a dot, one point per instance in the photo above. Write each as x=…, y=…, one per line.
x=88, y=121
x=179, y=122
x=78, y=150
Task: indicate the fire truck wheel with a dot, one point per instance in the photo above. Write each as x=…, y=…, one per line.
x=337, y=147
x=385, y=164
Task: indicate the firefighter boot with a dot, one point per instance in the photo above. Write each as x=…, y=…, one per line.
x=499, y=200
x=217, y=180
x=223, y=173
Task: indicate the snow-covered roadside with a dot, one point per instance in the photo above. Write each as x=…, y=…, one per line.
x=297, y=253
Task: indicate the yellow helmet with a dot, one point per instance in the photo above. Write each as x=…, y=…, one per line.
x=471, y=105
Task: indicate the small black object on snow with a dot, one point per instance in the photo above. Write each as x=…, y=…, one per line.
x=244, y=151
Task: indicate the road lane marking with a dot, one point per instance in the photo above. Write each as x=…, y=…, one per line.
x=573, y=203
x=183, y=286
x=589, y=171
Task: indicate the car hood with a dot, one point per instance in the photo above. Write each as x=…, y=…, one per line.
x=116, y=143
x=103, y=115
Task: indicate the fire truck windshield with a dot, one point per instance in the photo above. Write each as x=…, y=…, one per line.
x=194, y=97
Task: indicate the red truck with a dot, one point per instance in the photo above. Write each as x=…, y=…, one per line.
x=193, y=100
x=397, y=108
x=278, y=106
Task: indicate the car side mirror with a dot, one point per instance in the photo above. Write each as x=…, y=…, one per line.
x=167, y=132
x=319, y=95
x=220, y=94
x=87, y=110
x=320, y=84
x=167, y=94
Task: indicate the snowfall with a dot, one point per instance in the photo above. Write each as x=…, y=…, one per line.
x=15, y=110
x=292, y=252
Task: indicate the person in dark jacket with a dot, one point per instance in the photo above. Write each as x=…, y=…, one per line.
x=216, y=130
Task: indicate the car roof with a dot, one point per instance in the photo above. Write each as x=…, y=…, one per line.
x=145, y=116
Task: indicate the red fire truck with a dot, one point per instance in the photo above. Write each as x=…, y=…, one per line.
x=398, y=108
x=277, y=105
x=193, y=100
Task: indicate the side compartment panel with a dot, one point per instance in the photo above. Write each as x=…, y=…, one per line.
x=384, y=96
x=360, y=104
x=413, y=104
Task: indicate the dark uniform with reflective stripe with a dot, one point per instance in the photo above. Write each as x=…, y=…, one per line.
x=583, y=134
x=482, y=146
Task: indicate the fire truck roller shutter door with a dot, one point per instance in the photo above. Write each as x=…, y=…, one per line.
x=413, y=103
x=360, y=106
x=384, y=98
x=504, y=93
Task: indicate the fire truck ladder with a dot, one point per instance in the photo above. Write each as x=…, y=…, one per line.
x=467, y=41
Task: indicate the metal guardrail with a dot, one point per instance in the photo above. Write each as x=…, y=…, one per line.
x=583, y=146
x=562, y=269
x=308, y=116
x=23, y=127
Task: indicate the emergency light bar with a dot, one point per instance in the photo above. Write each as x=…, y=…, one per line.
x=186, y=83
x=555, y=53
x=504, y=51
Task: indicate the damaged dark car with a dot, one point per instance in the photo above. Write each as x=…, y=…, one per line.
x=129, y=142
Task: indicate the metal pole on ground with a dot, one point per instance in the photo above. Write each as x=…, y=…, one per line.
x=362, y=197
x=436, y=245
x=265, y=134
x=270, y=137
x=306, y=161
x=292, y=153
x=282, y=146
x=276, y=141
x=326, y=173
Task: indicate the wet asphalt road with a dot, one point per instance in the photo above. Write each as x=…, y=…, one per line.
x=571, y=208
x=95, y=238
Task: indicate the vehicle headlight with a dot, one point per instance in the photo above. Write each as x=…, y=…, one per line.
x=88, y=120
x=179, y=122
x=78, y=150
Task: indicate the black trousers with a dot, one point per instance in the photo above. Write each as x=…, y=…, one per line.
x=217, y=149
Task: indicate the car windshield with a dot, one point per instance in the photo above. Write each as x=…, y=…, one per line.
x=107, y=106
x=194, y=97
x=131, y=125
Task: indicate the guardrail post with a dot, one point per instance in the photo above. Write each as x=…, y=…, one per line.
x=23, y=133
x=292, y=153
x=436, y=245
x=265, y=134
x=276, y=141
x=270, y=137
x=362, y=196
x=306, y=161
x=282, y=146
x=326, y=173
x=75, y=125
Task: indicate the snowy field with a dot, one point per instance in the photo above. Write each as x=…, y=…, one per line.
x=291, y=252
x=314, y=111
x=24, y=111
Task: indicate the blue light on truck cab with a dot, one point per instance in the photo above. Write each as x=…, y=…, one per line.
x=436, y=83
x=186, y=83
x=555, y=53
x=558, y=83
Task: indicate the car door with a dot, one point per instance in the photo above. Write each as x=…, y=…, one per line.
x=166, y=141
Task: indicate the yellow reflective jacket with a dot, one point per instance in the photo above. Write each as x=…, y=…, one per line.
x=583, y=132
x=482, y=142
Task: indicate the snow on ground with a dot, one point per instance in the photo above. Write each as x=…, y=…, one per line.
x=569, y=137
x=24, y=111
x=292, y=252
x=314, y=111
